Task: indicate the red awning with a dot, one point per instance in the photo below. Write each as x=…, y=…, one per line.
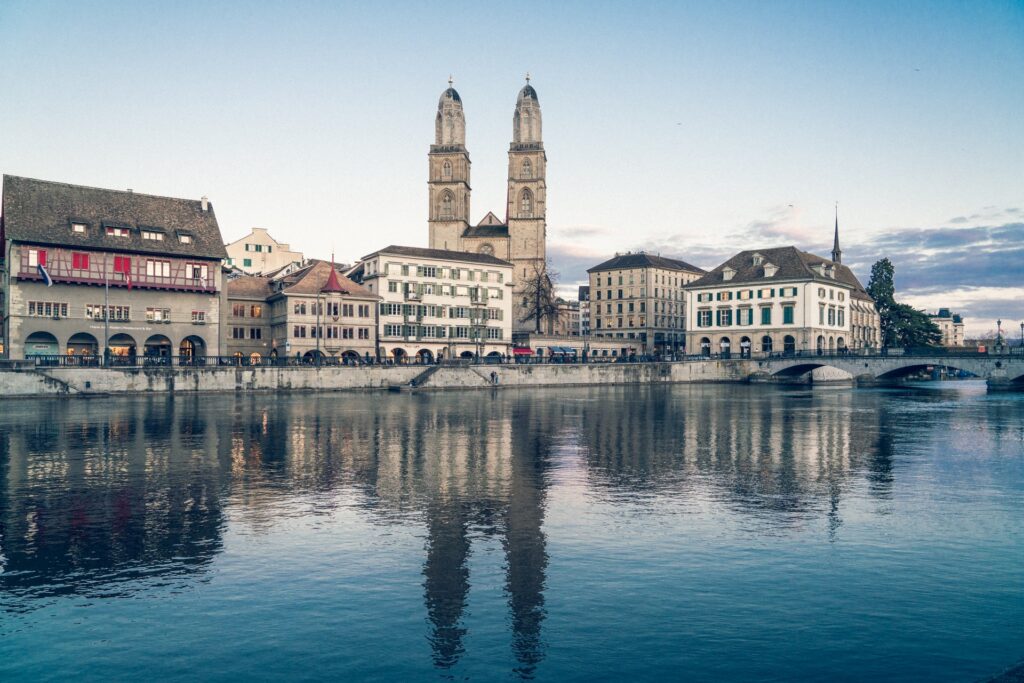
x=522, y=352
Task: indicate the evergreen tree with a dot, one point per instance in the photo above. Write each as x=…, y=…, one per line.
x=902, y=325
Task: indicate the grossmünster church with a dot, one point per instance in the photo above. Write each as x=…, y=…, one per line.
x=520, y=236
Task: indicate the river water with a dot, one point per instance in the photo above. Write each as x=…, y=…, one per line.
x=704, y=532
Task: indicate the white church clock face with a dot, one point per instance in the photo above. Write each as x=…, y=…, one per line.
x=487, y=248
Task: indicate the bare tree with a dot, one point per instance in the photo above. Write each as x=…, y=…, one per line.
x=538, y=292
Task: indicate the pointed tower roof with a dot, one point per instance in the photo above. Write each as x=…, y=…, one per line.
x=332, y=286
x=837, y=253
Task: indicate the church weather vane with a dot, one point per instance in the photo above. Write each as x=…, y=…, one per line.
x=527, y=78
x=450, y=80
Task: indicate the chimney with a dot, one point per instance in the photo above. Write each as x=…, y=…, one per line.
x=205, y=203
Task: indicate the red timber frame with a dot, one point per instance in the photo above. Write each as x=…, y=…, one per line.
x=101, y=270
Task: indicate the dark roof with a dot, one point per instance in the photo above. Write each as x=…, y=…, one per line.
x=440, y=254
x=791, y=264
x=486, y=231
x=451, y=94
x=642, y=260
x=249, y=287
x=528, y=92
x=312, y=278
x=41, y=212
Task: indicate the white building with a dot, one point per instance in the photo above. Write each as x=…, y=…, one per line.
x=951, y=325
x=259, y=253
x=439, y=304
x=779, y=300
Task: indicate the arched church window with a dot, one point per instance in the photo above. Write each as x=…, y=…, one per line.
x=487, y=248
x=447, y=208
x=527, y=171
x=446, y=170
x=526, y=204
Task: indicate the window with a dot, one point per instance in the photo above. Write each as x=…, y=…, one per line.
x=526, y=204
x=704, y=318
x=745, y=316
x=186, y=238
x=446, y=210
x=46, y=309
x=123, y=265
x=152, y=235
x=79, y=261
x=78, y=228
x=36, y=257
x=364, y=332
x=199, y=316
x=766, y=315
x=156, y=315
x=117, y=231
x=787, y=315
x=299, y=332
x=364, y=310
x=198, y=271
x=118, y=313
x=238, y=333
x=831, y=315
x=156, y=268
x=238, y=310
x=426, y=271
x=842, y=317
x=256, y=311
x=255, y=333
x=724, y=317
x=446, y=170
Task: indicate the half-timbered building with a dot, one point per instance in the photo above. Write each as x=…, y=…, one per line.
x=87, y=269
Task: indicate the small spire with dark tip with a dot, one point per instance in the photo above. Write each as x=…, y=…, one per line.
x=837, y=253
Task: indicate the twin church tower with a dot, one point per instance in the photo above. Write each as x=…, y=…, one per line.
x=520, y=237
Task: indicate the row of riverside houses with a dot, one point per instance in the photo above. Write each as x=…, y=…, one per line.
x=87, y=269
x=91, y=275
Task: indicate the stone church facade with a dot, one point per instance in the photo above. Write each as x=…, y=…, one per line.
x=518, y=238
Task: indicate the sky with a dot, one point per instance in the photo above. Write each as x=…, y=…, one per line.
x=694, y=130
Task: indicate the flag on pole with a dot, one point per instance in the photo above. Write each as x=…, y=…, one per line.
x=41, y=269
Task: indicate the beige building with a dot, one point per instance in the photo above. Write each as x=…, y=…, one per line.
x=439, y=304
x=780, y=300
x=247, y=320
x=259, y=253
x=951, y=325
x=519, y=238
x=638, y=298
x=86, y=269
x=317, y=312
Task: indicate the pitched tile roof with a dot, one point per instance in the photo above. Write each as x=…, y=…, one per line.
x=419, y=252
x=41, y=212
x=312, y=278
x=790, y=264
x=643, y=260
x=249, y=287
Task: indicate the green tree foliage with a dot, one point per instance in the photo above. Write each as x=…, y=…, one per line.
x=902, y=325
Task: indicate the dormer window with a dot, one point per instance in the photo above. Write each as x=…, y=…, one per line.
x=829, y=270
x=79, y=228
x=770, y=269
x=727, y=273
x=117, y=231
x=153, y=235
x=758, y=260
x=185, y=238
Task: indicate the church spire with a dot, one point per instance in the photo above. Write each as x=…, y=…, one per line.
x=837, y=253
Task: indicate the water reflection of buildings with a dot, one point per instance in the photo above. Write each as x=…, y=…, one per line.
x=773, y=450
x=92, y=499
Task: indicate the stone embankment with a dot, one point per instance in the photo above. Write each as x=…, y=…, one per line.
x=61, y=381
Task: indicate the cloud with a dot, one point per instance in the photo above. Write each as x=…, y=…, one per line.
x=578, y=231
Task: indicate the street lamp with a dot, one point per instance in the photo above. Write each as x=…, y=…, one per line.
x=1022, y=335
x=999, y=333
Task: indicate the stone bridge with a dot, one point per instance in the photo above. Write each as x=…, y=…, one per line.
x=1002, y=371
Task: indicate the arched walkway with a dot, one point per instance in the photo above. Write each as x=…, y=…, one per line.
x=766, y=344
x=466, y=354
x=123, y=348
x=192, y=349
x=705, y=346
x=820, y=345
x=725, y=347
x=41, y=344
x=350, y=357
x=789, y=344
x=425, y=356
x=744, y=347
x=399, y=355
x=157, y=346
x=83, y=344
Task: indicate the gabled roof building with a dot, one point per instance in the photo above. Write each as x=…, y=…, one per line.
x=780, y=300
x=89, y=269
